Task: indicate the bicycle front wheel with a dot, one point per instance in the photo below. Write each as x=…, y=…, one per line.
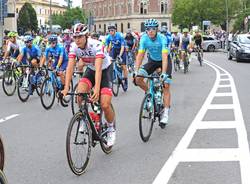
x=115, y=84
x=146, y=118
x=9, y=82
x=24, y=87
x=78, y=143
x=48, y=93
x=3, y=179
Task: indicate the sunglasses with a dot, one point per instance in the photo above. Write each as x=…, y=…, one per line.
x=27, y=42
x=77, y=37
x=111, y=30
x=151, y=28
x=52, y=42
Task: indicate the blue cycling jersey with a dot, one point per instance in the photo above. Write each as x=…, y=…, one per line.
x=56, y=52
x=155, y=47
x=117, y=40
x=169, y=39
x=30, y=53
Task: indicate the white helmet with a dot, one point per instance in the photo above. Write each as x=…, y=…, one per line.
x=80, y=29
x=67, y=31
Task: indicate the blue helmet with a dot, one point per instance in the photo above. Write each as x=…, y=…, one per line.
x=28, y=38
x=53, y=38
x=151, y=23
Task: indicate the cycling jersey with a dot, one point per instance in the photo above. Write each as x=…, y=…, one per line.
x=67, y=40
x=13, y=49
x=155, y=47
x=185, y=40
x=90, y=53
x=57, y=52
x=198, y=39
x=130, y=41
x=176, y=39
x=30, y=53
x=117, y=40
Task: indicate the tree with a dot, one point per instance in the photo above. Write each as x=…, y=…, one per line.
x=27, y=19
x=187, y=12
x=69, y=17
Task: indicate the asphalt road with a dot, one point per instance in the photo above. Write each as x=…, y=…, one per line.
x=35, y=139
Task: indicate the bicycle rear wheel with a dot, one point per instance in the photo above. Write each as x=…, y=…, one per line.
x=24, y=87
x=9, y=82
x=78, y=141
x=48, y=93
x=146, y=117
x=2, y=155
x=3, y=179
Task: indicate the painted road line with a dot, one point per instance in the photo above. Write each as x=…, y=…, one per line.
x=182, y=153
x=8, y=118
x=217, y=125
x=221, y=106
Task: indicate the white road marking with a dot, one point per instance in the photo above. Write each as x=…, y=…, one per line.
x=183, y=154
x=8, y=118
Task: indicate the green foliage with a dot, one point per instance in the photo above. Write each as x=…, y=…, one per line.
x=188, y=12
x=27, y=19
x=239, y=22
x=69, y=16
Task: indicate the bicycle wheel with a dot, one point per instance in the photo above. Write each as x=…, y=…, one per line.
x=48, y=93
x=146, y=117
x=9, y=82
x=103, y=133
x=40, y=78
x=78, y=142
x=115, y=84
x=3, y=179
x=1, y=155
x=24, y=87
x=74, y=104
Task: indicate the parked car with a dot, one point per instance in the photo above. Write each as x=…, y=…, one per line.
x=210, y=43
x=240, y=48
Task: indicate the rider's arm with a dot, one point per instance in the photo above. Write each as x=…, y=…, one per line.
x=122, y=45
x=7, y=50
x=60, y=58
x=107, y=43
x=20, y=57
x=165, y=51
x=69, y=72
x=98, y=73
x=140, y=55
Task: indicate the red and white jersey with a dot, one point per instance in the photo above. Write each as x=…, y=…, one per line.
x=93, y=50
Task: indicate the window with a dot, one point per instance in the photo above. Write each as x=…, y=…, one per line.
x=105, y=28
x=142, y=27
x=100, y=26
x=164, y=6
x=128, y=25
x=17, y=10
x=122, y=27
x=95, y=27
x=164, y=24
x=40, y=22
x=129, y=7
x=144, y=7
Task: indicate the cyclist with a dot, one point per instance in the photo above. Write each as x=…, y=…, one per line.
x=12, y=46
x=67, y=40
x=58, y=55
x=198, y=41
x=115, y=43
x=185, y=44
x=30, y=52
x=164, y=31
x=156, y=46
x=97, y=74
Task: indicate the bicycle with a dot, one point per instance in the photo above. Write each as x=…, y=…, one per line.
x=86, y=128
x=175, y=58
x=130, y=59
x=51, y=88
x=151, y=107
x=186, y=61
x=198, y=54
x=29, y=81
x=118, y=78
x=11, y=74
x=3, y=179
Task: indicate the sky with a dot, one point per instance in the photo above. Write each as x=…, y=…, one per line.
x=75, y=2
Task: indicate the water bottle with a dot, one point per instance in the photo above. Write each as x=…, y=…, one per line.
x=59, y=82
x=158, y=97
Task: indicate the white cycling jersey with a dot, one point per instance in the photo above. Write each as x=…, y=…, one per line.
x=93, y=50
x=12, y=45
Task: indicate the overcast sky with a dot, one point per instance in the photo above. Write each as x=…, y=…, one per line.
x=75, y=2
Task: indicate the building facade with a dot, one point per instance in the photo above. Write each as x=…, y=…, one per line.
x=128, y=14
x=42, y=8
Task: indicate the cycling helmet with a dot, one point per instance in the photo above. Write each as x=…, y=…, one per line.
x=129, y=31
x=151, y=23
x=12, y=34
x=111, y=26
x=95, y=35
x=164, y=29
x=67, y=31
x=53, y=38
x=175, y=30
x=80, y=29
x=185, y=30
x=28, y=38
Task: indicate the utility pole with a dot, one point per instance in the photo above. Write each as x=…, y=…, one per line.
x=50, y=18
